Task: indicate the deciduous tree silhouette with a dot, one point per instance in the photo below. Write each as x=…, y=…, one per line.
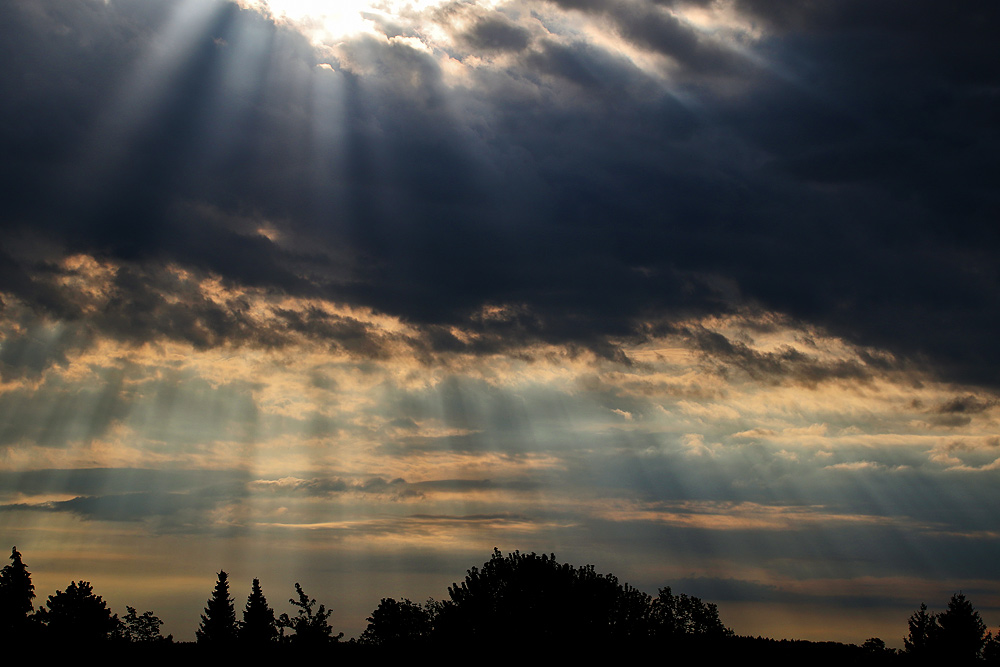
x=532, y=597
x=16, y=595
x=142, y=629
x=399, y=623
x=874, y=646
x=259, y=626
x=311, y=627
x=686, y=615
x=78, y=615
x=218, y=623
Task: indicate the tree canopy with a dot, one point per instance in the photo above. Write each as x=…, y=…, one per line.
x=399, y=623
x=140, y=628
x=686, y=615
x=311, y=627
x=534, y=596
x=78, y=615
x=963, y=633
x=958, y=633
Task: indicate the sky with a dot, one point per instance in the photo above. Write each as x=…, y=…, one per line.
x=704, y=293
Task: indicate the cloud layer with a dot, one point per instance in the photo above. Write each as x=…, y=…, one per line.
x=710, y=283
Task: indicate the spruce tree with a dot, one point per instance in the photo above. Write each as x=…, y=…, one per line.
x=218, y=623
x=16, y=594
x=258, y=619
x=924, y=629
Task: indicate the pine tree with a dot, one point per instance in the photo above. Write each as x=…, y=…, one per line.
x=218, y=623
x=16, y=594
x=258, y=619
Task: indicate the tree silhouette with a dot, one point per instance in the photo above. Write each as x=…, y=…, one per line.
x=991, y=649
x=395, y=623
x=686, y=615
x=218, y=623
x=78, y=615
x=963, y=633
x=526, y=596
x=142, y=629
x=258, y=625
x=536, y=598
x=16, y=594
x=311, y=627
x=922, y=638
x=874, y=646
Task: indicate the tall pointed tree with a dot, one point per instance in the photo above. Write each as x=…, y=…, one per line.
x=924, y=630
x=218, y=623
x=16, y=594
x=258, y=619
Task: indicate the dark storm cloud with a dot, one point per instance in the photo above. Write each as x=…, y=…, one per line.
x=966, y=405
x=496, y=34
x=123, y=494
x=97, y=481
x=959, y=411
x=646, y=25
x=37, y=346
x=326, y=487
x=462, y=485
x=842, y=175
x=787, y=364
x=128, y=507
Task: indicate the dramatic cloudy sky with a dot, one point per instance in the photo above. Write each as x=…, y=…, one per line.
x=702, y=292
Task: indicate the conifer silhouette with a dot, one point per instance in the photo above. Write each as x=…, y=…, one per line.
x=258, y=625
x=924, y=630
x=963, y=633
x=218, y=623
x=16, y=594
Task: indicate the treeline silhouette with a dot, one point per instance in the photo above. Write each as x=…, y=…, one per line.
x=514, y=602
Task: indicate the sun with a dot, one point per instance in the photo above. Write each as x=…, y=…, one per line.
x=329, y=21
x=320, y=20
